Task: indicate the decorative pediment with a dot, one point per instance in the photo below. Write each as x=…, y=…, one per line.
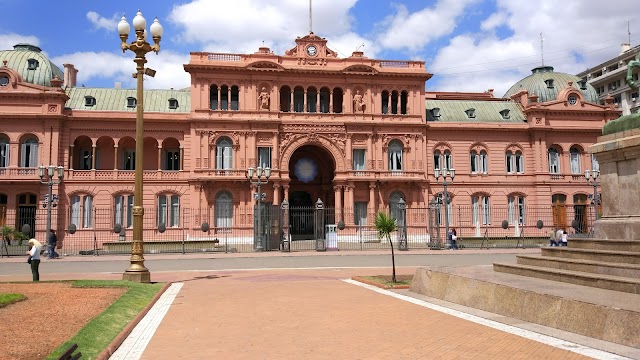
x=360, y=69
x=265, y=65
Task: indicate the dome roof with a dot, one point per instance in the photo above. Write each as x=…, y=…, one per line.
x=546, y=84
x=31, y=64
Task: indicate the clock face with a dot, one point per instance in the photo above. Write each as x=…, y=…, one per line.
x=312, y=50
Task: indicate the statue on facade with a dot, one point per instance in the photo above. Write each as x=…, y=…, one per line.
x=263, y=98
x=630, y=66
x=358, y=102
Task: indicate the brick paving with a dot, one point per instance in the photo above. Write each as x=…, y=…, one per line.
x=311, y=314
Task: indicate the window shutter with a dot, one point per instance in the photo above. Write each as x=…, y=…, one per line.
x=88, y=209
x=75, y=210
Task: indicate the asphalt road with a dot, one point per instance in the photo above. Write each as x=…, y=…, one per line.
x=106, y=264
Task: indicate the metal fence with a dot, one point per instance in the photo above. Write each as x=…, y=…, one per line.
x=235, y=229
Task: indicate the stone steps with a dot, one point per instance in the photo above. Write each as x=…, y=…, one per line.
x=589, y=266
x=627, y=257
x=603, y=244
x=595, y=312
x=609, y=282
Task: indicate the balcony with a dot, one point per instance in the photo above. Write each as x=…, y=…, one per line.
x=124, y=175
x=22, y=174
x=367, y=175
x=221, y=174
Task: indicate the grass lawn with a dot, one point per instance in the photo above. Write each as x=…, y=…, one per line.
x=8, y=299
x=385, y=280
x=101, y=331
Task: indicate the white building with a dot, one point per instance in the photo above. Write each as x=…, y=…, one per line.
x=609, y=80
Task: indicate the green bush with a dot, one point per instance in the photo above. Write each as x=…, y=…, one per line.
x=12, y=234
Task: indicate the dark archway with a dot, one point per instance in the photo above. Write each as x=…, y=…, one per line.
x=311, y=169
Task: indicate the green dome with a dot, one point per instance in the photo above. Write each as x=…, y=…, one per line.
x=546, y=84
x=31, y=64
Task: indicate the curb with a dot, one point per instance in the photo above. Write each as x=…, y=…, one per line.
x=381, y=286
x=120, y=338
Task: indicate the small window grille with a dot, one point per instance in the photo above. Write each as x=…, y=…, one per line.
x=173, y=104
x=131, y=102
x=32, y=64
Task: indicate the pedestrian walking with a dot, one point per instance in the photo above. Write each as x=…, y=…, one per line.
x=34, y=258
x=52, y=241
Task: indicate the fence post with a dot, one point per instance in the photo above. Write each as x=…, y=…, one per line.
x=319, y=226
x=284, y=213
x=184, y=225
x=402, y=231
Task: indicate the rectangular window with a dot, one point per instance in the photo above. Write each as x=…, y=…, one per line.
x=174, y=212
x=594, y=163
x=224, y=157
x=554, y=166
x=358, y=159
x=4, y=154
x=264, y=157
x=436, y=161
x=360, y=213
x=29, y=156
x=575, y=162
x=130, y=211
x=172, y=160
x=129, y=160
x=87, y=212
x=521, y=211
x=448, y=160
x=75, y=211
x=512, y=210
x=519, y=163
x=162, y=210
x=474, y=210
x=484, y=163
x=124, y=210
x=474, y=163
x=395, y=160
x=486, y=211
x=509, y=162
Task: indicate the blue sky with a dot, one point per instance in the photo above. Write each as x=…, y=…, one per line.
x=470, y=45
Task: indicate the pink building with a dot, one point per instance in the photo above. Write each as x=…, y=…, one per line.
x=357, y=133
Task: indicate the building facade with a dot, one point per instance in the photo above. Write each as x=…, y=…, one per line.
x=609, y=77
x=355, y=133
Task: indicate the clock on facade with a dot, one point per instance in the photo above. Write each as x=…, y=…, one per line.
x=312, y=50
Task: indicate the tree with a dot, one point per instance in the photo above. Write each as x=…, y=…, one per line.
x=385, y=225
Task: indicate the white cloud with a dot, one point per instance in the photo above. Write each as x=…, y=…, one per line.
x=101, y=22
x=120, y=67
x=240, y=26
x=414, y=31
x=576, y=37
x=8, y=40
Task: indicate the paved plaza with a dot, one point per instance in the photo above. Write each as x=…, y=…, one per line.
x=304, y=308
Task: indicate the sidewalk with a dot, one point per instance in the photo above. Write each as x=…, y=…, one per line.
x=312, y=314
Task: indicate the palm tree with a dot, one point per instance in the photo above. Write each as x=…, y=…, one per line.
x=385, y=225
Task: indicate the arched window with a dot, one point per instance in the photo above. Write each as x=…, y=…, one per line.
x=473, y=159
x=516, y=209
x=574, y=157
x=4, y=151
x=395, y=155
x=394, y=200
x=483, y=163
x=123, y=214
x=312, y=97
x=224, y=97
x=554, y=161
x=385, y=102
x=235, y=98
x=324, y=100
x=514, y=162
x=224, y=154
x=298, y=99
x=29, y=153
x=213, y=97
x=169, y=208
x=337, y=100
x=81, y=211
x=394, y=102
x=285, y=99
x=448, y=160
x=481, y=209
x=404, y=98
x=223, y=211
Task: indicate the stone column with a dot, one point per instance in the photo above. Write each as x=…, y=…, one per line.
x=181, y=165
x=228, y=97
x=331, y=102
x=274, y=151
x=286, y=191
x=159, y=157
x=317, y=101
x=338, y=201
x=70, y=156
x=304, y=110
x=370, y=159
x=219, y=98
x=291, y=102
x=349, y=152
x=115, y=157
x=276, y=193
x=348, y=204
x=93, y=157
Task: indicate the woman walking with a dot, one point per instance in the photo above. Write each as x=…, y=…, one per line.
x=34, y=258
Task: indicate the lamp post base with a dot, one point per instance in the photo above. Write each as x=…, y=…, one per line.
x=137, y=276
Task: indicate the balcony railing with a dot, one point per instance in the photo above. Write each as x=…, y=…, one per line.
x=123, y=175
x=377, y=174
x=19, y=174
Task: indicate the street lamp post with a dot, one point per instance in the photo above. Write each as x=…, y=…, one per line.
x=262, y=177
x=592, y=179
x=47, y=177
x=451, y=173
x=137, y=271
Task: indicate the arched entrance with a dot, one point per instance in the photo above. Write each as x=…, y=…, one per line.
x=311, y=170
